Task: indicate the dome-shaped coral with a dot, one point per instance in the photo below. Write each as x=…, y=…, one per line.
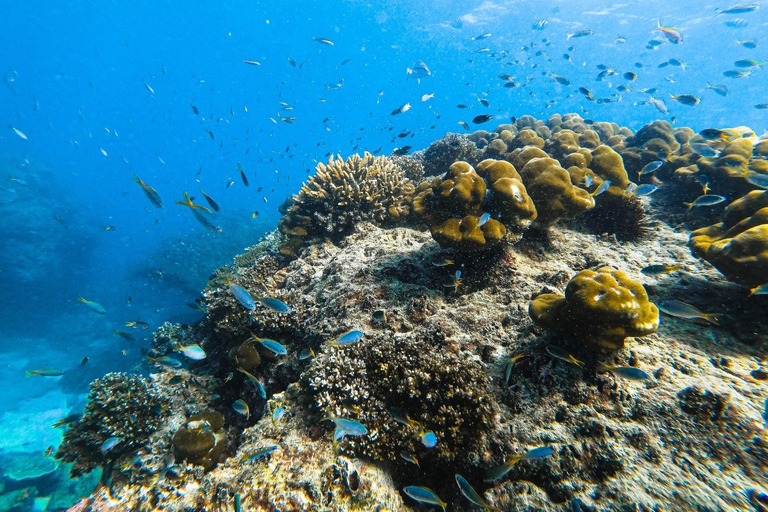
x=550, y=187
x=600, y=309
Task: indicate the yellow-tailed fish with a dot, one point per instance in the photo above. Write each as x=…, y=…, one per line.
x=93, y=305
x=242, y=408
x=188, y=203
x=502, y=469
x=150, y=192
x=680, y=309
x=468, y=492
x=563, y=355
x=424, y=495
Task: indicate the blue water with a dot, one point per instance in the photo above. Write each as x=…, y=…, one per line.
x=103, y=92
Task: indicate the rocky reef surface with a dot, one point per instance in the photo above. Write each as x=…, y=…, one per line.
x=447, y=347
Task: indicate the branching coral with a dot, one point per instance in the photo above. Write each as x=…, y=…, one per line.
x=122, y=412
x=600, y=309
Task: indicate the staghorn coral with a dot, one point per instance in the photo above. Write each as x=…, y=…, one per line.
x=452, y=206
x=343, y=193
x=121, y=406
x=447, y=394
x=600, y=309
x=738, y=246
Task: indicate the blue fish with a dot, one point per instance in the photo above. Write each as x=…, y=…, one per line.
x=108, y=445
x=346, y=427
x=602, y=188
x=424, y=495
x=272, y=346
x=262, y=452
x=242, y=296
x=468, y=492
x=501, y=470
x=483, y=219
x=275, y=305
x=651, y=167
x=348, y=338
x=645, y=189
x=428, y=439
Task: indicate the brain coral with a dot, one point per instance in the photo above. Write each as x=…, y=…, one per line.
x=121, y=406
x=600, y=309
x=738, y=246
x=447, y=393
x=343, y=193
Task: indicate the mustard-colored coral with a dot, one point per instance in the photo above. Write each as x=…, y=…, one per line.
x=550, y=187
x=738, y=246
x=600, y=309
x=454, y=205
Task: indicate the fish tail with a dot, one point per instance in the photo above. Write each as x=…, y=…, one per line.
x=713, y=318
x=30, y=373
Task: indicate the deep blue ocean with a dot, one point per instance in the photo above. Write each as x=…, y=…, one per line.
x=95, y=93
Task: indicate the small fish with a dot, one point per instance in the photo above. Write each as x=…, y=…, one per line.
x=655, y=270
x=651, y=167
x=456, y=282
x=659, y=104
x=671, y=33
x=18, y=132
x=166, y=360
x=424, y=495
x=626, y=372
x=703, y=180
x=93, y=305
x=425, y=97
x=713, y=134
x=194, y=109
x=242, y=174
x=736, y=73
x=428, y=438
x=687, y=99
x=108, y=445
x=273, y=346
x=483, y=219
x=84, y=361
x=587, y=93
x=401, y=109
x=150, y=192
x=749, y=63
x=540, y=25
x=602, y=188
x=482, y=50
x=200, y=426
x=645, y=189
x=380, y=315
x=482, y=118
x=703, y=149
x=210, y=201
x=291, y=61
x=686, y=311
x=705, y=200
x=238, y=505
x=678, y=63
x=484, y=35
x=188, y=203
x=322, y=40
x=442, y=262
x=348, y=338
x=410, y=457
x=468, y=492
x=346, y=427
x=149, y=88
x=762, y=106
x=629, y=75
x=252, y=62
x=560, y=79
x=497, y=472
x=465, y=125
x=45, y=372
x=275, y=305
x=736, y=23
x=203, y=220
x=722, y=90
x=511, y=365
x=243, y=296
x=194, y=352
x=124, y=335
x=242, y=408
x=750, y=44
x=278, y=414
x=561, y=354
x=740, y=9
x=580, y=33
x=759, y=290
x=67, y=420
x=262, y=452
x=306, y=353
x=256, y=382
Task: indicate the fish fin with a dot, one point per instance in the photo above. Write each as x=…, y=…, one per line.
x=713, y=318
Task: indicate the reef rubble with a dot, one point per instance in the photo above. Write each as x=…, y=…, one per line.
x=448, y=347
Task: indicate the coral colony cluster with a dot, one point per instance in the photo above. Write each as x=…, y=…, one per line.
x=477, y=308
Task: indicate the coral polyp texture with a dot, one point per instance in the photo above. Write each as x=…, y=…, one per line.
x=122, y=412
x=472, y=209
x=600, y=308
x=738, y=246
x=343, y=193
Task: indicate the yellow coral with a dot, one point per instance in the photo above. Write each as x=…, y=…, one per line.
x=600, y=308
x=550, y=187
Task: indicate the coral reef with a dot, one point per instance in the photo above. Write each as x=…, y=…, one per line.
x=121, y=414
x=738, y=246
x=343, y=193
x=201, y=440
x=443, y=152
x=442, y=391
x=453, y=206
x=601, y=308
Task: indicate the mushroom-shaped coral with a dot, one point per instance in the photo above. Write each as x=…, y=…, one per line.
x=343, y=193
x=472, y=210
x=738, y=246
x=550, y=187
x=600, y=309
x=121, y=414
x=200, y=440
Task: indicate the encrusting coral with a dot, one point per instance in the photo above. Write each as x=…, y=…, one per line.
x=601, y=308
x=738, y=246
x=121, y=414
